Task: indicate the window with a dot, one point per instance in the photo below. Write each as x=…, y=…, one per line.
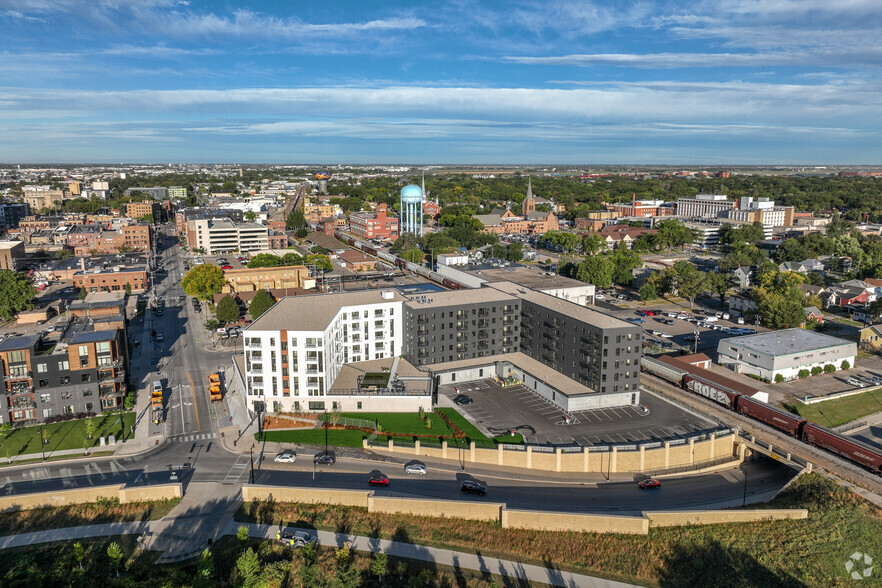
x=64, y=365
x=44, y=383
x=87, y=377
x=41, y=368
x=65, y=379
x=45, y=398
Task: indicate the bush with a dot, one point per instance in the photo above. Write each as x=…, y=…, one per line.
x=779, y=378
x=829, y=368
x=817, y=370
x=844, y=365
x=803, y=373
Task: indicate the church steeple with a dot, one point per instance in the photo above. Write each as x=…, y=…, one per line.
x=529, y=201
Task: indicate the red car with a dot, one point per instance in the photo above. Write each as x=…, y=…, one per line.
x=648, y=483
x=226, y=267
x=378, y=480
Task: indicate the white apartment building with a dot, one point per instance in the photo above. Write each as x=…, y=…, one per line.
x=219, y=235
x=704, y=206
x=294, y=352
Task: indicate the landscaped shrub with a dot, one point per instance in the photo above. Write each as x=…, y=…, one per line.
x=779, y=378
x=817, y=370
x=803, y=373
x=829, y=368
x=844, y=365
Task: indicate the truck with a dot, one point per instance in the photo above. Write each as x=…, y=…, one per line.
x=156, y=399
x=214, y=387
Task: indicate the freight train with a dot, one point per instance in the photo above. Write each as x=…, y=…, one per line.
x=400, y=263
x=737, y=396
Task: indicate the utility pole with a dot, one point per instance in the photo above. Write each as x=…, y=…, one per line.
x=251, y=453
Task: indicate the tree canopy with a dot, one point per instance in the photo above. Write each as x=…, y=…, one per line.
x=16, y=293
x=261, y=303
x=227, y=309
x=203, y=281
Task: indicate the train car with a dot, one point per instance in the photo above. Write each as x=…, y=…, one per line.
x=387, y=257
x=843, y=445
x=411, y=267
x=664, y=368
x=710, y=389
x=423, y=271
x=771, y=415
x=370, y=250
x=436, y=277
x=401, y=263
x=448, y=283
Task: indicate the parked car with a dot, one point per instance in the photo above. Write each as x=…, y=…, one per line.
x=226, y=267
x=287, y=456
x=324, y=458
x=296, y=538
x=160, y=337
x=473, y=487
x=599, y=297
x=648, y=483
x=463, y=399
x=856, y=383
x=416, y=468
x=378, y=480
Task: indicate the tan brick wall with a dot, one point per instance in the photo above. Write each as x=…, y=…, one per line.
x=712, y=517
x=59, y=498
x=477, y=511
x=306, y=495
x=552, y=521
x=147, y=493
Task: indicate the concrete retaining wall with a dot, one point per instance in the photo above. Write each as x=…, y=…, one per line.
x=615, y=461
x=476, y=511
x=553, y=521
x=712, y=517
x=146, y=493
x=306, y=495
x=87, y=495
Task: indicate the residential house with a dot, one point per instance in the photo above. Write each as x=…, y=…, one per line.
x=621, y=235
x=741, y=305
x=813, y=313
x=871, y=337
x=805, y=266
x=844, y=296
x=744, y=275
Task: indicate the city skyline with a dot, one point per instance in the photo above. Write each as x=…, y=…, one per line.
x=728, y=81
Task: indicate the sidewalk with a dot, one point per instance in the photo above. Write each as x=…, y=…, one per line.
x=518, y=571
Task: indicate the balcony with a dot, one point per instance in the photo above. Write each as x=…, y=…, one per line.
x=483, y=345
x=506, y=320
x=461, y=326
x=422, y=320
x=18, y=375
x=110, y=392
x=508, y=331
x=483, y=323
x=483, y=334
x=483, y=312
x=461, y=337
x=423, y=331
x=423, y=354
x=461, y=314
x=550, y=324
x=22, y=404
x=257, y=372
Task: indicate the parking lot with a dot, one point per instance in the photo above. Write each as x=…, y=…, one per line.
x=499, y=410
x=871, y=435
x=825, y=384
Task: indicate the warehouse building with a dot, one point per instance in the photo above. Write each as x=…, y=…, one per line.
x=784, y=353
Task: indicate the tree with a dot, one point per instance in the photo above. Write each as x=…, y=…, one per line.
x=64, y=253
x=16, y=293
x=227, y=309
x=347, y=573
x=624, y=261
x=514, y=252
x=114, y=552
x=90, y=427
x=648, y=292
x=817, y=370
x=203, y=281
x=261, y=303
x=82, y=294
x=309, y=572
x=413, y=255
x=248, y=568
x=295, y=220
x=597, y=270
x=205, y=570
x=379, y=565
x=844, y=365
x=128, y=289
x=242, y=536
x=689, y=281
x=592, y=243
x=211, y=325
x=718, y=283
x=779, y=378
x=79, y=553
x=829, y=368
x=301, y=233
x=264, y=260
x=249, y=215
x=803, y=373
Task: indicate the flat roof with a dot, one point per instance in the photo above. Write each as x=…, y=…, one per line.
x=563, y=384
x=19, y=342
x=10, y=244
x=416, y=380
x=92, y=336
x=458, y=297
x=564, y=307
x=314, y=312
x=527, y=276
x=786, y=342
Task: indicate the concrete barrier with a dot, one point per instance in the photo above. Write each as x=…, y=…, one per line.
x=306, y=495
x=148, y=493
x=554, y=521
x=713, y=517
x=476, y=511
x=58, y=498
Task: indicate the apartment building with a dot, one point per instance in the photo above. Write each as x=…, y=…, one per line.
x=205, y=212
x=378, y=224
x=11, y=214
x=112, y=279
x=177, y=193
x=142, y=209
x=294, y=352
x=156, y=192
x=40, y=197
x=314, y=211
x=11, y=254
x=83, y=371
x=215, y=236
x=127, y=238
x=265, y=278
x=704, y=206
x=643, y=208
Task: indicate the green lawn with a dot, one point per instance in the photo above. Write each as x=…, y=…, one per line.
x=403, y=422
x=316, y=437
x=66, y=435
x=838, y=412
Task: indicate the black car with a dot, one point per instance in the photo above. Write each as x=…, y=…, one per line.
x=324, y=458
x=463, y=399
x=473, y=487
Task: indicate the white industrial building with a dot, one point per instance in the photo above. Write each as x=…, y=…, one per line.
x=219, y=235
x=784, y=352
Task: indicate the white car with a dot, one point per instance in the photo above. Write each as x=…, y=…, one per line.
x=666, y=335
x=599, y=297
x=856, y=383
x=416, y=468
x=286, y=457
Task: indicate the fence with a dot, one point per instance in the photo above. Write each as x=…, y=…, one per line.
x=700, y=465
x=850, y=426
x=350, y=422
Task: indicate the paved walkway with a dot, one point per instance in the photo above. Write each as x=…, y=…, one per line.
x=154, y=532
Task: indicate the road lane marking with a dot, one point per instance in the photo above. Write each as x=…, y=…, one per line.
x=196, y=409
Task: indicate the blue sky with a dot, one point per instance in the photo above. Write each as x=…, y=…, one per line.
x=704, y=83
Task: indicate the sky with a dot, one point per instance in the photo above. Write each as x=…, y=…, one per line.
x=706, y=83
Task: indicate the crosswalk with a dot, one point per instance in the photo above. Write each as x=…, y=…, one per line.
x=239, y=469
x=190, y=438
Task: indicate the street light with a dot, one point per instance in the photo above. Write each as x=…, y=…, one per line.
x=251, y=453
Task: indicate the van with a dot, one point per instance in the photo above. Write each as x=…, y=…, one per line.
x=157, y=387
x=711, y=319
x=726, y=316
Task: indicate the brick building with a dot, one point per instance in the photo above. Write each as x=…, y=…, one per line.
x=374, y=225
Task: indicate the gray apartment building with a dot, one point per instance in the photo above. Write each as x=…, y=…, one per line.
x=450, y=326
x=155, y=192
x=81, y=371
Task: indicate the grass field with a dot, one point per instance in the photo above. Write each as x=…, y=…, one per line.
x=787, y=554
x=402, y=422
x=317, y=437
x=105, y=511
x=66, y=435
x=838, y=412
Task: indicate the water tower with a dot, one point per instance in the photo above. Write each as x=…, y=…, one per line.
x=411, y=210
x=323, y=178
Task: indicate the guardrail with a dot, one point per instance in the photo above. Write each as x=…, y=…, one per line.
x=700, y=465
x=850, y=426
